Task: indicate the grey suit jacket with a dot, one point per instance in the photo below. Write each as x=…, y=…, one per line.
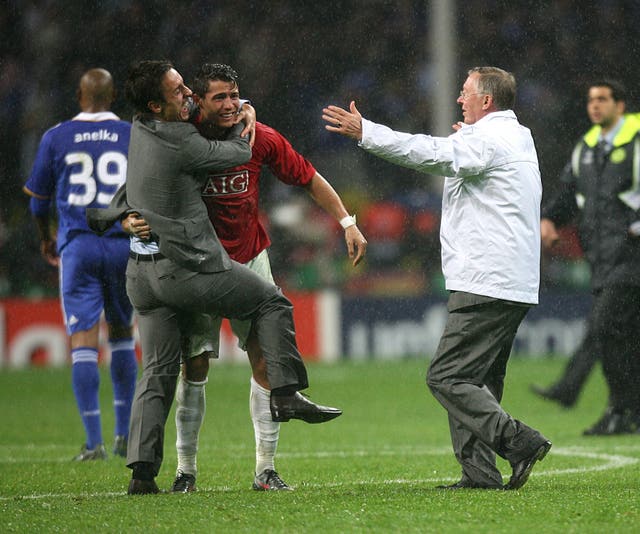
x=167, y=167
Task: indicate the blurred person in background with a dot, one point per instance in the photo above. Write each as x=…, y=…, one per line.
x=490, y=236
x=80, y=164
x=232, y=200
x=600, y=188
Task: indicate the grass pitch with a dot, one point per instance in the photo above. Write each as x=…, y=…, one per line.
x=372, y=470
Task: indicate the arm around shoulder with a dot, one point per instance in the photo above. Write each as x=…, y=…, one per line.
x=203, y=154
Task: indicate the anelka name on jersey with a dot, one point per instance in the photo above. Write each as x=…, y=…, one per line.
x=99, y=135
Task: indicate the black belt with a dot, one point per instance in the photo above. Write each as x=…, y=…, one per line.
x=145, y=257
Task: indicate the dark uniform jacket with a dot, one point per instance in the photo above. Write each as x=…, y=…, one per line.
x=605, y=199
x=167, y=167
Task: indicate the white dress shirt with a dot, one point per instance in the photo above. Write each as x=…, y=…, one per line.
x=490, y=228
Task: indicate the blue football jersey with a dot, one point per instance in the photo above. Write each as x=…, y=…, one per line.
x=82, y=162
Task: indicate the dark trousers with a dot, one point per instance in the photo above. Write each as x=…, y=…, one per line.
x=568, y=387
x=467, y=377
x=165, y=296
x=615, y=331
x=611, y=336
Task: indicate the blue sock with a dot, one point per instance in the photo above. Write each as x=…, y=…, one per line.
x=124, y=372
x=86, y=382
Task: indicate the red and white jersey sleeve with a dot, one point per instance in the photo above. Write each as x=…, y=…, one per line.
x=232, y=196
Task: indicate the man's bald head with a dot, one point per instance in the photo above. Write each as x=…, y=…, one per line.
x=96, y=91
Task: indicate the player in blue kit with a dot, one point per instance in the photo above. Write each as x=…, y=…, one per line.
x=80, y=164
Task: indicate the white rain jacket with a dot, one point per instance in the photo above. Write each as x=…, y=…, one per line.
x=490, y=228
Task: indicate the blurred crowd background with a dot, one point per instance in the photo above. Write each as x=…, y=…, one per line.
x=294, y=57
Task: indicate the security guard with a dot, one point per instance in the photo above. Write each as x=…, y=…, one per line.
x=600, y=189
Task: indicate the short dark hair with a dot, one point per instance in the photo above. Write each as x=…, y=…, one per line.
x=498, y=83
x=618, y=90
x=210, y=72
x=144, y=83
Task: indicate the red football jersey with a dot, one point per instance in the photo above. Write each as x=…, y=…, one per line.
x=232, y=196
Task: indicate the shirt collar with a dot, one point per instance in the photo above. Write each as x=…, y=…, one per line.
x=505, y=114
x=96, y=117
x=611, y=134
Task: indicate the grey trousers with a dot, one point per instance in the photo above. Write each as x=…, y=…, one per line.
x=165, y=296
x=467, y=377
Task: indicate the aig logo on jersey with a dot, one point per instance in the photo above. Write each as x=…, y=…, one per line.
x=226, y=184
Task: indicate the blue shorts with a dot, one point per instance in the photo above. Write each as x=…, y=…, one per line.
x=92, y=279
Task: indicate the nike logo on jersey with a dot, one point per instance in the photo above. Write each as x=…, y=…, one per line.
x=100, y=135
x=73, y=320
x=226, y=184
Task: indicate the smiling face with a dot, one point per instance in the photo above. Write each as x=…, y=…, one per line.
x=220, y=104
x=474, y=103
x=174, y=93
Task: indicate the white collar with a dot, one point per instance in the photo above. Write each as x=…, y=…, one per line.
x=505, y=114
x=96, y=117
x=611, y=134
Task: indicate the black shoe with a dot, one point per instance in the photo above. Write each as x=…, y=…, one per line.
x=611, y=423
x=184, y=483
x=465, y=483
x=297, y=406
x=553, y=395
x=523, y=468
x=142, y=487
x=269, y=480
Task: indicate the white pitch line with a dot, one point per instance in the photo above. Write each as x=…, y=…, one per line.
x=615, y=461
x=14, y=455
x=611, y=461
x=19, y=498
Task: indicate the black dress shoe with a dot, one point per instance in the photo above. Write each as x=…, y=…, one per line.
x=553, y=395
x=468, y=484
x=612, y=422
x=297, y=406
x=522, y=469
x=142, y=487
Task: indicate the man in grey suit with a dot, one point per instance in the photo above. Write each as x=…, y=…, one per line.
x=183, y=269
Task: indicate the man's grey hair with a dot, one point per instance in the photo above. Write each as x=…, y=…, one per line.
x=498, y=83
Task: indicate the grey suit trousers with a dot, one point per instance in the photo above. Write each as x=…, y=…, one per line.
x=165, y=297
x=467, y=377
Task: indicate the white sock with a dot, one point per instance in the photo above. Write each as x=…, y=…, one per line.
x=190, y=408
x=265, y=429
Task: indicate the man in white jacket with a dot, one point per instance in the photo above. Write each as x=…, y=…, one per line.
x=490, y=236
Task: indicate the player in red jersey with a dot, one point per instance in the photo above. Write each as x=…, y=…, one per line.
x=232, y=198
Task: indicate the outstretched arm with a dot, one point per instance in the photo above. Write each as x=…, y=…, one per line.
x=347, y=123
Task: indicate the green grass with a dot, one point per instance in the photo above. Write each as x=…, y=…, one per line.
x=372, y=470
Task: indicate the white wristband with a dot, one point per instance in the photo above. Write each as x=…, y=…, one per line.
x=348, y=221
